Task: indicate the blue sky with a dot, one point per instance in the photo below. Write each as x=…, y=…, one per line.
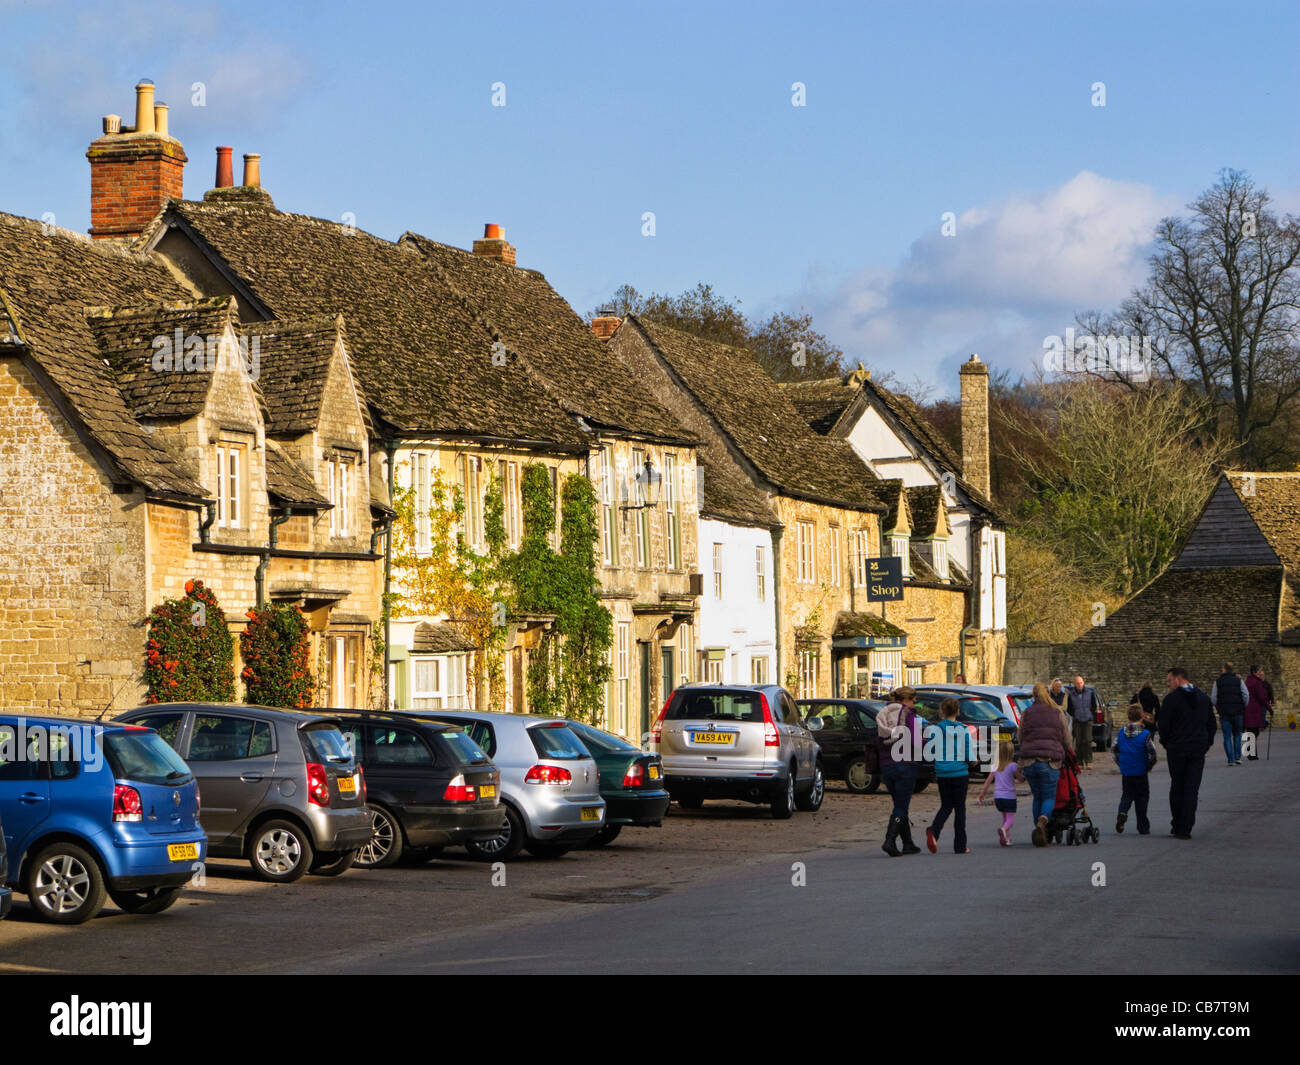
x=685, y=109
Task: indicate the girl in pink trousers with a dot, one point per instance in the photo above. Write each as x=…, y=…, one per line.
x=1003, y=779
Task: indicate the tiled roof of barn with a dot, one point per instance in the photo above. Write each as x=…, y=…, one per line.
x=289, y=482
x=421, y=357
x=757, y=416
x=559, y=348
x=1230, y=604
x=50, y=277
x=177, y=388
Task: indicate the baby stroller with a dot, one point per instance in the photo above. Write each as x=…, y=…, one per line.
x=1070, y=822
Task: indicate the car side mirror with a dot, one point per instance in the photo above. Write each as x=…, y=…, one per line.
x=814, y=724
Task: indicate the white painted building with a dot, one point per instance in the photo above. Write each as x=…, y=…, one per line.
x=736, y=641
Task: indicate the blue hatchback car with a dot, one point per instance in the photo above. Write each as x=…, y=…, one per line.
x=95, y=810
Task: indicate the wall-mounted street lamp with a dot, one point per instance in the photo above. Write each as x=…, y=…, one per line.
x=648, y=482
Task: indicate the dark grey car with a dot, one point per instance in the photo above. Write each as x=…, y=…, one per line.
x=278, y=787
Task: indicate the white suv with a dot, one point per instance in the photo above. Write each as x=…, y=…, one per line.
x=721, y=741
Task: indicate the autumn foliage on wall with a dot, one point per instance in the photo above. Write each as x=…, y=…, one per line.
x=189, y=652
x=276, y=649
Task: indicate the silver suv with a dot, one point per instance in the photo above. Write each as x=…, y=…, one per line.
x=722, y=741
x=281, y=788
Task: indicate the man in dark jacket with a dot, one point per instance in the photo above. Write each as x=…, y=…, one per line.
x=1187, y=730
x=1230, y=696
x=1082, y=704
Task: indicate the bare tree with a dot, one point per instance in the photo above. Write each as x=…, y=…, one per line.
x=1221, y=311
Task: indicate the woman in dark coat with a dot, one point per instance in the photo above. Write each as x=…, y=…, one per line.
x=1150, y=703
x=899, y=747
x=1044, y=739
x=1261, y=703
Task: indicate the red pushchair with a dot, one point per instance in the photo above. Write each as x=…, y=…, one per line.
x=1070, y=822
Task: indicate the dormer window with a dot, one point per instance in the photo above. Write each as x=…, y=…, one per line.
x=899, y=548
x=939, y=558
x=340, y=485
x=230, y=486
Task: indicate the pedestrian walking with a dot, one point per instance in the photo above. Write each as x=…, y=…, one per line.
x=1044, y=739
x=1082, y=702
x=1259, y=708
x=899, y=748
x=1135, y=754
x=1187, y=730
x=952, y=773
x=1003, y=779
x=1229, y=695
x=1150, y=703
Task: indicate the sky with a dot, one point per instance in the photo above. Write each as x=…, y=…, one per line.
x=567, y=123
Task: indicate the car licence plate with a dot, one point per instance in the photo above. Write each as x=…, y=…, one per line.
x=487, y=791
x=591, y=813
x=713, y=737
x=654, y=772
x=183, y=852
x=347, y=785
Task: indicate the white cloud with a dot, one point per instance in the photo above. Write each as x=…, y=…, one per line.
x=1014, y=273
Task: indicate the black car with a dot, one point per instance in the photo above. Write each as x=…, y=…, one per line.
x=428, y=786
x=631, y=782
x=973, y=711
x=848, y=742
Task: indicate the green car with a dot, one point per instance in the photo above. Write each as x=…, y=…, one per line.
x=631, y=782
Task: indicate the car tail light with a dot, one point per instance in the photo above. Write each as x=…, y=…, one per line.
x=126, y=804
x=635, y=776
x=548, y=774
x=656, y=730
x=198, y=804
x=361, y=779
x=770, y=736
x=318, y=784
x=459, y=791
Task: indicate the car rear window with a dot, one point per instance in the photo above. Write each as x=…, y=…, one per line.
x=604, y=742
x=144, y=757
x=715, y=706
x=980, y=710
x=462, y=749
x=325, y=743
x=1021, y=702
x=556, y=741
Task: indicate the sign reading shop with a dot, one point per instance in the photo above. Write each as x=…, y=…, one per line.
x=884, y=580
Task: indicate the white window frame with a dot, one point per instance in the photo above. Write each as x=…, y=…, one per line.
x=806, y=535
x=684, y=653
x=913, y=675
x=760, y=572
x=230, y=485
x=449, y=689
x=623, y=690
x=339, y=485
x=900, y=547
x=809, y=667
x=836, y=549
x=608, y=522
x=717, y=570
x=420, y=463
x=939, y=557
x=641, y=525
x=758, y=669
x=673, y=544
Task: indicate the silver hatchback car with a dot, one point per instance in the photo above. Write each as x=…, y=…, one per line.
x=722, y=741
x=550, y=787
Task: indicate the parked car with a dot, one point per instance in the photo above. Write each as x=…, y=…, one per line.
x=428, y=786
x=6, y=896
x=550, y=786
x=1011, y=700
x=91, y=811
x=280, y=787
x=722, y=741
x=977, y=712
x=631, y=782
x=848, y=743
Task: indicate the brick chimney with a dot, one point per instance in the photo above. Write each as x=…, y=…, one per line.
x=495, y=246
x=606, y=323
x=134, y=170
x=975, y=424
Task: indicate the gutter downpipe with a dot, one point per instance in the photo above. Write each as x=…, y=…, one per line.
x=776, y=600
x=390, y=447
x=259, y=577
x=205, y=526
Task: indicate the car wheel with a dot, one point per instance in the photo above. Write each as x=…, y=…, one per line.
x=605, y=836
x=503, y=847
x=385, y=846
x=811, y=800
x=783, y=801
x=152, y=900
x=859, y=779
x=690, y=802
x=280, y=852
x=64, y=884
x=547, y=850
x=420, y=855
x=333, y=863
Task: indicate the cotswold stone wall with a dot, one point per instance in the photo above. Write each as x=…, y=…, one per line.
x=71, y=564
x=933, y=619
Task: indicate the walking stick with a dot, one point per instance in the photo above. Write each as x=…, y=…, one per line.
x=1268, y=751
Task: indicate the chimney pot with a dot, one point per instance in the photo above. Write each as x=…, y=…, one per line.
x=144, y=106
x=160, y=119
x=225, y=169
x=492, y=231
x=253, y=169
x=112, y=124
x=494, y=245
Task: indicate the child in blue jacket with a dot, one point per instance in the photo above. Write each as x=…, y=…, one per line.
x=1135, y=754
x=955, y=751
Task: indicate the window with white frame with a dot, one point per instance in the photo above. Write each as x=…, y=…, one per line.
x=837, y=550
x=468, y=480
x=623, y=686
x=438, y=682
x=684, y=653
x=861, y=552
x=805, y=533
x=509, y=474
x=608, y=519
x=341, y=482
x=913, y=675
x=642, y=516
x=342, y=672
x=230, y=486
x=939, y=557
x=713, y=664
x=717, y=571
x=760, y=572
x=808, y=664
x=673, y=547
x=899, y=548
x=420, y=483
x=758, y=670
